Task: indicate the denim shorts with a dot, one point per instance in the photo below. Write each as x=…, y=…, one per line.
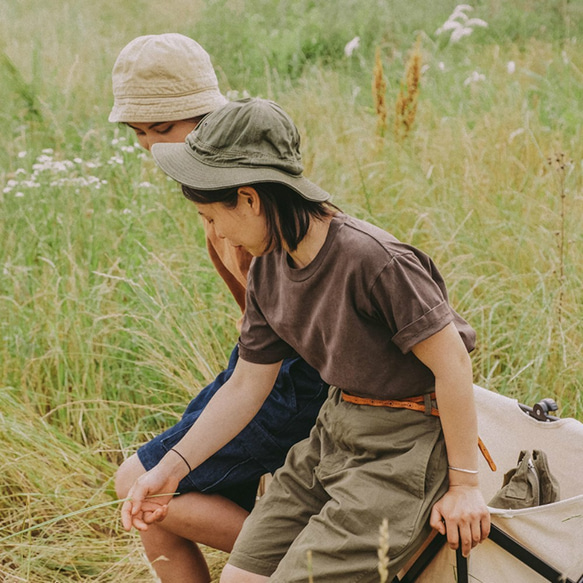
x=285, y=418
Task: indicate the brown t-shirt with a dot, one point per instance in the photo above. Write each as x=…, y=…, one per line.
x=353, y=313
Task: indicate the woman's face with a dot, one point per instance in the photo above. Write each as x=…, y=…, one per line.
x=243, y=226
x=149, y=134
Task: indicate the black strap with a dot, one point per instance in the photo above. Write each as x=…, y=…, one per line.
x=531, y=560
x=461, y=564
x=497, y=536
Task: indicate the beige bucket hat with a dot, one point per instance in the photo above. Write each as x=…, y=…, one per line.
x=164, y=77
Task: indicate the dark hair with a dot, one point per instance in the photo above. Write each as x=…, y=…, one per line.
x=287, y=213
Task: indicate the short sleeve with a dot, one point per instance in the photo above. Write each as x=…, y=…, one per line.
x=410, y=297
x=258, y=342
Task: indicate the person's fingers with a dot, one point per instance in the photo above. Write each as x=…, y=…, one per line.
x=138, y=523
x=465, y=538
x=476, y=530
x=436, y=520
x=485, y=527
x=453, y=535
x=156, y=515
x=126, y=515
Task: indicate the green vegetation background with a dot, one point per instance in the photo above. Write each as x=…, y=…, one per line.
x=111, y=316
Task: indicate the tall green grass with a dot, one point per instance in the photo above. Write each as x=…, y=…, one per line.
x=111, y=315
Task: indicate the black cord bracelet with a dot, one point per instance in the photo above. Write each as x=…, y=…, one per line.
x=183, y=458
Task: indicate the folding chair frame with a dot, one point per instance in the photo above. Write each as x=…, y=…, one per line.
x=503, y=541
x=540, y=412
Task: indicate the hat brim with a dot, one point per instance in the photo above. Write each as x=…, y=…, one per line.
x=178, y=163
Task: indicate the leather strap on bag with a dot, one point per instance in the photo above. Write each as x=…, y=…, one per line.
x=417, y=403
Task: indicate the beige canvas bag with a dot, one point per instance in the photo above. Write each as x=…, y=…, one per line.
x=553, y=532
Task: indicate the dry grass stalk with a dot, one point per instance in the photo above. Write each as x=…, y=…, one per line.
x=383, y=551
x=379, y=90
x=560, y=164
x=406, y=104
x=310, y=564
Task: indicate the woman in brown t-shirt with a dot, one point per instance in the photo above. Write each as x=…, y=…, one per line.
x=372, y=315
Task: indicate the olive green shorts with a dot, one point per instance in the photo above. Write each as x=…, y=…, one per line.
x=321, y=514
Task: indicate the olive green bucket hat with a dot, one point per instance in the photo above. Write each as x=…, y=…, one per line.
x=163, y=77
x=244, y=142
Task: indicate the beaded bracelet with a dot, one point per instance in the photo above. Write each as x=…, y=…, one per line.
x=463, y=470
x=184, y=459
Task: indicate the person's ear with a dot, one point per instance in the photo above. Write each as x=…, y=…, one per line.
x=250, y=197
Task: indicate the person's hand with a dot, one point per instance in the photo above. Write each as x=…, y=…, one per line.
x=148, y=499
x=463, y=516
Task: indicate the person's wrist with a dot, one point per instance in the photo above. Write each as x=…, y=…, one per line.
x=463, y=475
x=174, y=465
x=465, y=482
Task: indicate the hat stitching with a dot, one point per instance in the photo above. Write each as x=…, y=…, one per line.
x=184, y=94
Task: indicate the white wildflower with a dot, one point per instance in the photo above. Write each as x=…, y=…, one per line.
x=12, y=183
x=19, y=194
x=441, y=66
x=449, y=25
x=461, y=8
x=511, y=67
x=126, y=212
x=48, y=151
x=77, y=160
x=476, y=22
x=20, y=171
x=459, y=24
x=475, y=77
x=22, y=154
x=145, y=185
x=351, y=46
x=459, y=33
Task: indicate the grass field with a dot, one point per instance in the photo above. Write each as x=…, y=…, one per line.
x=111, y=315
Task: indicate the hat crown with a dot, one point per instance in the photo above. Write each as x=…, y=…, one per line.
x=248, y=133
x=163, y=77
x=245, y=142
x=168, y=63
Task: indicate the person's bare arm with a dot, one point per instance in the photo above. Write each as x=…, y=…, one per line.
x=462, y=513
x=227, y=413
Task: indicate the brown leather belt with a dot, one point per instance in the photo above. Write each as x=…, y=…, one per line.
x=417, y=403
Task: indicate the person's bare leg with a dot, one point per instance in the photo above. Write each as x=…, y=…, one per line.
x=192, y=518
x=174, y=558
x=232, y=574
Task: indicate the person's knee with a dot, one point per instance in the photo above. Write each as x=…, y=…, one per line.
x=129, y=471
x=233, y=574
